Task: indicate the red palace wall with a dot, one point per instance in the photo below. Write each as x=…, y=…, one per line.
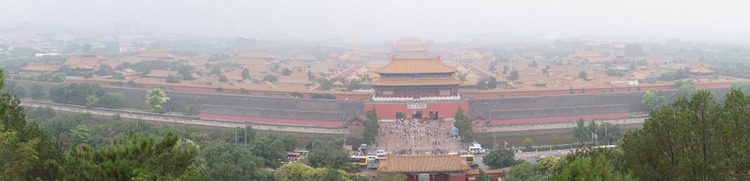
x=445, y=109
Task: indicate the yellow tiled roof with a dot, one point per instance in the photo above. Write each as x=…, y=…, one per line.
x=416, y=66
x=423, y=163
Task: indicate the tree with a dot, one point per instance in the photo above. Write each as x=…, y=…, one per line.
x=362, y=178
x=527, y=171
x=292, y=172
x=684, y=89
x=528, y=143
x=270, y=147
x=465, y=130
x=18, y=91
x=533, y=64
x=37, y=92
x=491, y=83
x=483, y=176
x=92, y=100
x=270, y=78
x=332, y=156
x=245, y=74
x=391, y=176
x=583, y=75
x=513, y=75
x=172, y=79
x=111, y=100
x=653, y=99
x=75, y=93
x=223, y=78
x=354, y=84
x=219, y=89
x=224, y=161
x=591, y=169
x=693, y=138
x=154, y=100
x=297, y=95
x=191, y=111
x=286, y=72
x=137, y=157
x=500, y=158
x=326, y=174
x=371, y=126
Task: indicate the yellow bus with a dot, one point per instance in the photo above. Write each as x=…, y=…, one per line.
x=359, y=161
x=469, y=159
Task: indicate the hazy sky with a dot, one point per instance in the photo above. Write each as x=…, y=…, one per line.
x=390, y=19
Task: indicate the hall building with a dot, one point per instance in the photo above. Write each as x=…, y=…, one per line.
x=416, y=84
x=406, y=79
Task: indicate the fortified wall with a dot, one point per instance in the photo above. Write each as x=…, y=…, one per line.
x=281, y=110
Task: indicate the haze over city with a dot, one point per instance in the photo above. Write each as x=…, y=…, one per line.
x=419, y=90
x=712, y=21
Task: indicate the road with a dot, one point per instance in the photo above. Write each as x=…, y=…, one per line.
x=530, y=157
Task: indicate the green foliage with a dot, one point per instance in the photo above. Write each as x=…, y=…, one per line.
x=37, y=92
x=583, y=75
x=391, y=176
x=292, y=172
x=533, y=63
x=45, y=77
x=483, y=176
x=371, y=126
x=272, y=148
x=224, y=161
x=111, y=100
x=684, y=89
x=513, y=75
x=354, y=84
x=154, y=98
x=591, y=169
x=219, y=89
x=528, y=143
x=603, y=133
x=679, y=74
x=78, y=94
x=172, y=79
x=362, y=178
x=270, y=78
x=487, y=83
x=297, y=95
x=694, y=138
x=138, y=157
x=465, y=130
x=527, y=171
x=18, y=91
x=286, y=72
x=500, y=158
x=653, y=99
x=245, y=74
x=332, y=156
x=744, y=87
x=191, y=111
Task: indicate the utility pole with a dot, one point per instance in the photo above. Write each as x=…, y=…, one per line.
x=245, y=135
x=235, y=136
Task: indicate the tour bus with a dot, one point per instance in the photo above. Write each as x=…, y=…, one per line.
x=359, y=161
x=292, y=157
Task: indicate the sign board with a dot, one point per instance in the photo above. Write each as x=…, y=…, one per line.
x=417, y=105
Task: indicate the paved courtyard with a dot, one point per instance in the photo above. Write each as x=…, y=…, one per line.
x=414, y=136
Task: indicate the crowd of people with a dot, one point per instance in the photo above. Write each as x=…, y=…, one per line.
x=415, y=136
